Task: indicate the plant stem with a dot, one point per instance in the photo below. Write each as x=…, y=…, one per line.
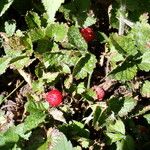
x=89, y=80
x=13, y=91
x=121, y=17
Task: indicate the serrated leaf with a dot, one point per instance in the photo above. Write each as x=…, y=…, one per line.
x=10, y=27
x=38, y=86
x=117, y=127
x=81, y=88
x=37, y=34
x=141, y=34
x=50, y=76
x=59, y=58
x=125, y=45
x=4, y=5
x=57, y=31
x=145, y=89
x=33, y=120
x=4, y=64
x=76, y=39
x=51, y=7
x=32, y=105
x=147, y=117
x=76, y=11
x=58, y=141
x=128, y=106
x=145, y=63
x=122, y=106
x=125, y=72
x=89, y=21
x=33, y=20
x=84, y=66
x=115, y=137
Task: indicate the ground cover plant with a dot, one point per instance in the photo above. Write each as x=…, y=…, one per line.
x=74, y=75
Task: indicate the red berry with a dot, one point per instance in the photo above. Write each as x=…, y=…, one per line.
x=54, y=97
x=88, y=34
x=99, y=92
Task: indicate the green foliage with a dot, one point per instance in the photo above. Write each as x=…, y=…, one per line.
x=76, y=39
x=51, y=6
x=84, y=66
x=4, y=5
x=43, y=46
x=145, y=89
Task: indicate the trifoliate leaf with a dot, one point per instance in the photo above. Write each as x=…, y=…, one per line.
x=145, y=89
x=4, y=5
x=57, y=31
x=10, y=27
x=33, y=20
x=76, y=39
x=84, y=66
x=145, y=63
x=51, y=7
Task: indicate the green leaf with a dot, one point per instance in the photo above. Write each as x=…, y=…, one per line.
x=57, y=31
x=145, y=89
x=125, y=45
x=122, y=106
x=145, y=63
x=76, y=39
x=97, y=115
x=141, y=34
x=51, y=7
x=38, y=86
x=33, y=120
x=147, y=117
x=126, y=144
x=4, y=64
x=10, y=27
x=125, y=72
x=89, y=21
x=37, y=34
x=33, y=20
x=115, y=137
x=128, y=105
x=76, y=11
x=32, y=105
x=59, y=141
x=84, y=66
x=81, y=88
x=4, y=5
x=117, y=127
x=59, y=58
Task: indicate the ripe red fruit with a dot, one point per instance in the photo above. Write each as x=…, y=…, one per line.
x=99, y=92
x=88, y=34
x=54, y=97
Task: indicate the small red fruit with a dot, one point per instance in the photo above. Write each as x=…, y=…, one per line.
x=88, y=34
x=54, y=97
x=99, y=92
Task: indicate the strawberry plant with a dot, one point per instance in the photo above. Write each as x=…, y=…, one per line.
x=74, y=75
